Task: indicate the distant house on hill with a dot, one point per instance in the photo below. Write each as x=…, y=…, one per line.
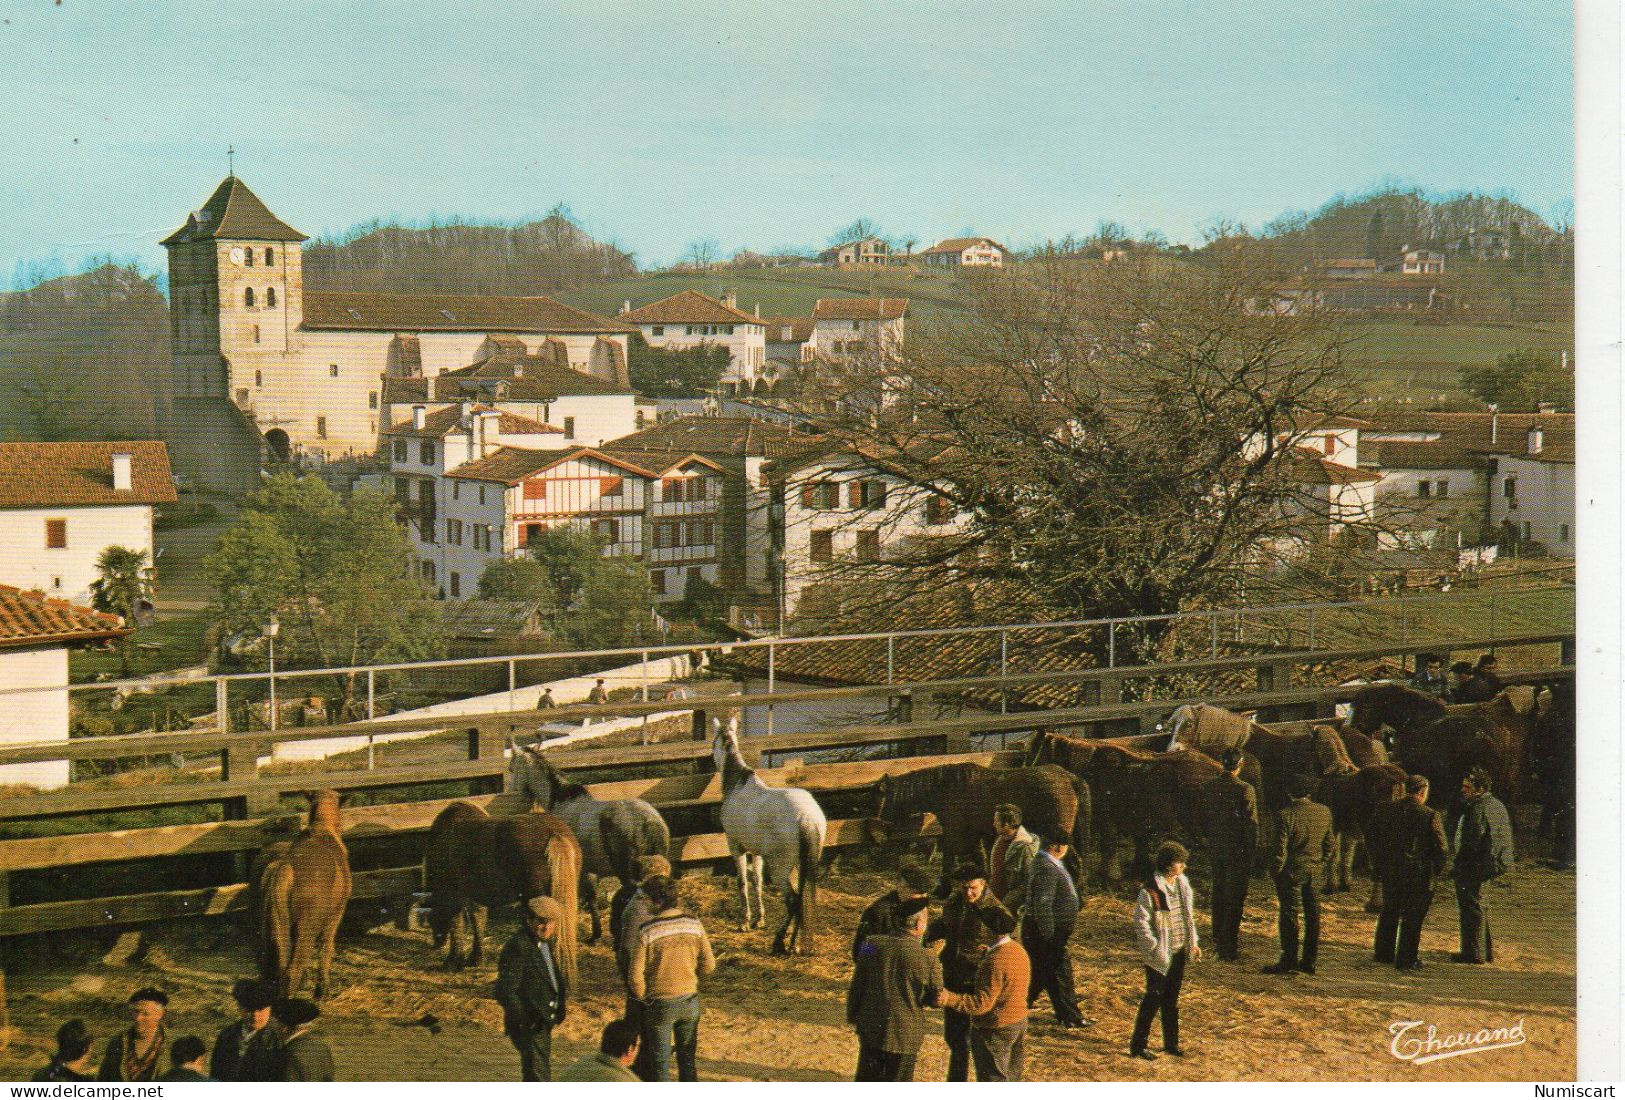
x=62, y=504
x=866, y=252
x=965, y=252
x=1421, y=261
x=1346, y=269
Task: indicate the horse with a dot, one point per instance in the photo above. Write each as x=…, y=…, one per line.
x=776, y=831
x=613, y=834
x=1146, y=796
x=1053, y=803
x=474, y=860
x=1442, y=742
x=303, y=890
x=1352, y=796
x=1281, y=756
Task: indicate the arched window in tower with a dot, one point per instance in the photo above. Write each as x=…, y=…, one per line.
x=248, y=256
x=270, y=297
x=270, y=257
x=248, y=297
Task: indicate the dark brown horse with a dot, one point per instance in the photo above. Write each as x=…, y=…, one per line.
x=474, y=861
x=1353, y=796
x=1442, y=742
x=1145, y=796
x=1053, y=803
x=303, y=890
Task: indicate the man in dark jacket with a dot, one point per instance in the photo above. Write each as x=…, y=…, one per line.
x=1047, y=921
x=1485, y=684
x=1483, y=842
x=74, y=1060
x=531, y=988
x=1405, y=840
x=187, y=1056
x=1430, y=678
x=965, y=937
x=1230, y=822
x=894, y=981
x=304, y=1056
x=1303, y=844
x=247, y=1049
x=880, y=917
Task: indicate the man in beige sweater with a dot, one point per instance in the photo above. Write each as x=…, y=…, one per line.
x=669, y=957
x=997, y=1004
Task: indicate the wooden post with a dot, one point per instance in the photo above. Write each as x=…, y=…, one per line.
x=697, y=724
x=1109, y=691
x=486, y=743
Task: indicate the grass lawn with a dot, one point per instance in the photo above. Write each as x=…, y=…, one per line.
x=1398, y=359
x=181, y=645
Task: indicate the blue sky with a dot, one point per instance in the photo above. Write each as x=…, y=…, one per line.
x=762, y=124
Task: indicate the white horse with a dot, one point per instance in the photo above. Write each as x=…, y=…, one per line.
x=776, y=830
x=614, y=833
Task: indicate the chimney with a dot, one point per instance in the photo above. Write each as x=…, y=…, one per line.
x=490, y=433
x=465, y=409
x=428, y=388
x=121, y=473
x=1537, y=439
x=1495, y=424
x=418, y=412
x=626, y=306
x=758, y=309
x=730, y=299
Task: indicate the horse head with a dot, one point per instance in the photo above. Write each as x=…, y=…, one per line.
x=530, y=774
x=324, y=810
x=724, y=740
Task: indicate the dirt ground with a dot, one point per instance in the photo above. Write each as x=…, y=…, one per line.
x=776, y=1019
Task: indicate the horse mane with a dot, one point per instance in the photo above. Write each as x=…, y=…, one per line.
x=910, y=790
x=563, y=789
x=324, y=813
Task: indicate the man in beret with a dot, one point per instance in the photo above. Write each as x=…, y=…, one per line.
x=1230, y=824
x=247, y=1049
x=881, y=917
x=135, y=1054
x=895, y=979
x=304, y=1057
x=997, y=1002
x=965, y=937
x=531, y=988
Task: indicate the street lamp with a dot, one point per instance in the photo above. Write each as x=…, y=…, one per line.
x=269, y=630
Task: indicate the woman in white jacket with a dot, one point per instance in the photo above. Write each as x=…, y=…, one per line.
x=1165, y=927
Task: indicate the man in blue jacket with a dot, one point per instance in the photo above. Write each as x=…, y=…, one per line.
x=1047, y=921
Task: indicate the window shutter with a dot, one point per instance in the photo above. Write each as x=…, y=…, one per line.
x=536, y=489
x=809, y=496
x=56, y=534
x=609, y=486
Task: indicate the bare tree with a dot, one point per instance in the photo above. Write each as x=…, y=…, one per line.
x=1119, y=441
x=703, y=255
x=860, y=230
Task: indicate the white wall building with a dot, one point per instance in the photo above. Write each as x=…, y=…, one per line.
x=62, y=504
x=35, y=634
x=848, y=328
x=965, y=252
x=1532, y=495
x=691, y=319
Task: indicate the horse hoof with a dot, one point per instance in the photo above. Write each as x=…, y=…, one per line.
x=742, y=926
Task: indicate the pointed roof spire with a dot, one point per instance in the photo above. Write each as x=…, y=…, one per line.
x=233, y=212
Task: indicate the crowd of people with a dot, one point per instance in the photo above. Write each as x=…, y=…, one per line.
x=1004, y=931
x=271, y=1040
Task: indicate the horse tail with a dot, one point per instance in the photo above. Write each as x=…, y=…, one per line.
x=276, y=924
x=1080, y=827
x=810, y=853
x=564, y=870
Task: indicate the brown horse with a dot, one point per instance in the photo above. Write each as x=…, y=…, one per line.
x=1442, y=742
x=1053, y=803
x=474, y=860
x=1145, y=796
x=303, y=891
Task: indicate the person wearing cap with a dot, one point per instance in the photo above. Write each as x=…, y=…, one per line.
x=1230, y=824
x=997, y=1002
x=894, y=981
x=881, y=916
x=187, y=1057
x=304, y=1056
x=965, y=938
x=669, y=957
x=1405, y=842
x=74, y=1059
x=618, y=1047
x=1303, y=845
x=136, y=1053
x=247, y=1049
x=1165, y=931
x=531, y=988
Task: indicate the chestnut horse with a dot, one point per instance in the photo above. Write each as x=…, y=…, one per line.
x=474, y=860
x=303, y=891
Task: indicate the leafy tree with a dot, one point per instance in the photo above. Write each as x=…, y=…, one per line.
x=1520, y=380
x=675, y=372
x=338, y=574
x=701, y=598
x=603, y=602
x=122, y=582
x=523, y=579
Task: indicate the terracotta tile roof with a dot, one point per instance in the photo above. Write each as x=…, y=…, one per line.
x=442, y=422
x=448, y=313
x=233, y=212
x=28, y=618
x=656, y=462
x=800, y=329
x=50, y=475
x=1311, y=468
x=718, y=436
x=959, y=244
x=860, y=309
x=1464, y=438
x=531, y=378
x=1406, y=454
x=511, y=465
x=688, y=307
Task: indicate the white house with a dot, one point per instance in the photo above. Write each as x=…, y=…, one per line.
x=690, y=319
x=847, y=328
x=965, y=252
x=1421, y=261
x=868, y=251
x=62, y=504
x=35, y=633
x=1532, y=496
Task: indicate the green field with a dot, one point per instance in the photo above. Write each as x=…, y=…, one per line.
x=1400, y=359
